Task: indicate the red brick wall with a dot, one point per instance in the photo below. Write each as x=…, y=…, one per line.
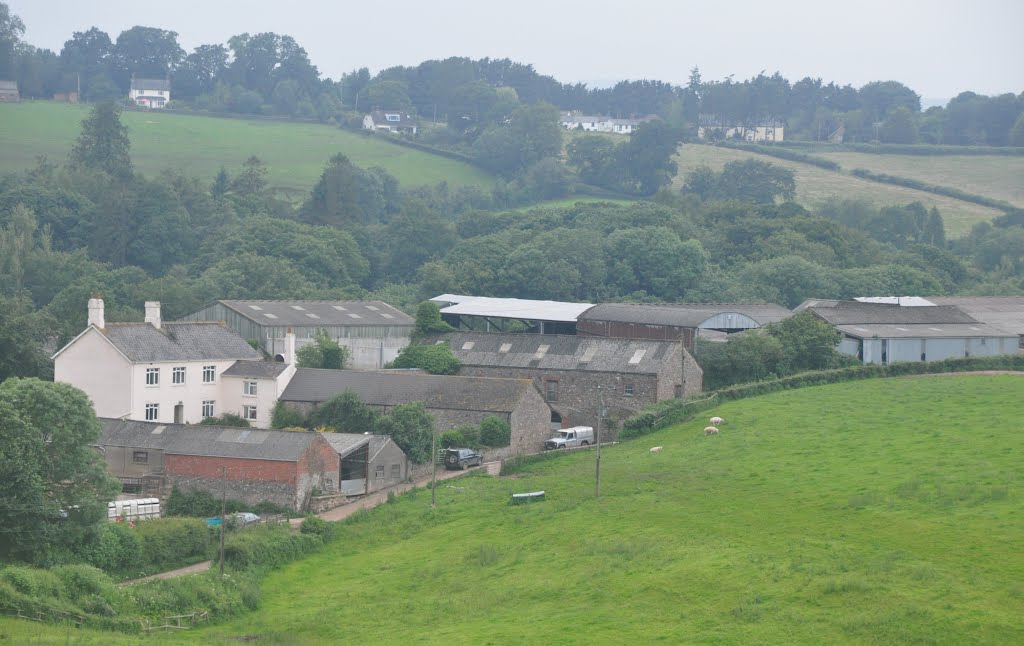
x=196, y=466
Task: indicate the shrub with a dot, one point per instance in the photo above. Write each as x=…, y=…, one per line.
x=227, y=419
x=319, y=527
x=437, y=359
x=495, y=432
x=116, y=548
x=452, y=437
x=173, y=542
x=81, y=581
x=268, y=547
x=285, y=416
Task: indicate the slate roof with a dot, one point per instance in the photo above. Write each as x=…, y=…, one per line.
x=854, y=312
x=559, y=352
x=682, y=314
x=393, y=388
x=511, y=308
x=256, y=369
x=188, y=341
x=151, y=84
x=923, y=331
x=405, y=120
x=345, y=443
x=209, y=441
x=1004, y=312
x=319, y=313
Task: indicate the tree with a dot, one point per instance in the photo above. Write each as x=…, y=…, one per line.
x=146, y=52
x=411, y=427
x=324, y=352
x=54, y=486
x=808, y=342
x=744, y=357
x=11, y=30
x=437, y=359
x=429, y=321
x=647, y=157
x=199, y=72
x=344, y=413
x=749, y=180
x=1017, y=133
x=23, y=333
x=103, y=142
x=495, y=431
x=899, y=127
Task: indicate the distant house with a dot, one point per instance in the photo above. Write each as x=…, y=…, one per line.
x=452, y=401
x=150, y=93
x=670, y=321
x=390, y=121
x=373, y=331
x=282, y=467
x=9, y=92
x=579, y=375
x=887, y=333
x=155, y=371
x=757, y=129
x=594, y=123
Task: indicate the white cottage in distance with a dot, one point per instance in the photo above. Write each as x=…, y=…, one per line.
x=178, y=373
x=150, y=93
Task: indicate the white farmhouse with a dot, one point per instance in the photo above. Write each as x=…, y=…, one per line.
x=171, y=372
x=390, y=121
x=150, y=93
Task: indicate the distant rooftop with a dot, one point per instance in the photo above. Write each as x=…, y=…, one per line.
x=511, y=308
x=839, y=312
x=684, y=314
x=162, y=85
x=318, y=313
x=210, y=441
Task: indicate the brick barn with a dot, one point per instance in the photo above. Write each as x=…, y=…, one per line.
x=282, y=467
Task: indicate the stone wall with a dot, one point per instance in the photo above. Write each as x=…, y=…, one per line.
x=251, y=481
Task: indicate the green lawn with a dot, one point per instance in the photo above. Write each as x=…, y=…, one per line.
x=295, y=153
x=882, y=511
x=815, y=185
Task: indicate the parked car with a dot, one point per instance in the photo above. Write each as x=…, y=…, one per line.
x=570, y=437
x=462, y=458
x=244, y=518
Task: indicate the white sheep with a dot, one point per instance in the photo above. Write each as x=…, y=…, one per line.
x=656, y=449
x=710, y=430
x=716, y=421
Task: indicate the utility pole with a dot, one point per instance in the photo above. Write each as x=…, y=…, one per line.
x=433, y=463
x=600, y=414
x=223, y=504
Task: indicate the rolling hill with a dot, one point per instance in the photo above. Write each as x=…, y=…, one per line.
x=815, y=185
x=295, y=153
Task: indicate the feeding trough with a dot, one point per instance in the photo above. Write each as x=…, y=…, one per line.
x=525, y=498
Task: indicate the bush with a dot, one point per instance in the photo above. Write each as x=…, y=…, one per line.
x=452, y=437
x=268, y=547
x=285, y=416
x=784, y=153
x=174, y=542
x=116, y=548
x=948, y=191
x=437, y=359
x=227, y=419
x=318, y=527
x=495, y=432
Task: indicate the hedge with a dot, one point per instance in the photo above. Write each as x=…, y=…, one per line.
x=783, y=153
x=934, y=188
x=675, y=411
x=904, y=149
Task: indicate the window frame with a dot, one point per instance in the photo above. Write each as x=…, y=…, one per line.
x=178, y=376
x=152, y=412
x=209, y=405
x=209, y=374
x=249, y=387
x=152, y=376
x=551, y=390
x=246, y=410
x=140, y=457
x=628, y=389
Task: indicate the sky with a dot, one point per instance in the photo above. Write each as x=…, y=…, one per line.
x=939, y=48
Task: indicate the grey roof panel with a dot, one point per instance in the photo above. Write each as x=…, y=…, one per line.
x=924, y=331
x=855, y=312
x=559, y=352
x=385, y=388
x=187, y=341
x=345, y=443
x=151, y=84
x=1004, y=312
x=257, y=369
x=511, y=308
x=197, y=439
x=319, y=313
x=682, y=314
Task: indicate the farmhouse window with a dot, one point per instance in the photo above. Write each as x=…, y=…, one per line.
x=250, y=387
x=396, y=471
x=249, y=412
x=379, y=472
x=208, y=408
x=178, y=375
x=552, y=391
x=209, y=374
x=152, y=376
x=140, y=457
x=152, y=412
x=627, y=390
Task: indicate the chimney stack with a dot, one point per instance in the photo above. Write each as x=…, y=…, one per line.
x=153, y=313
x=289, y=347
x=96, y=313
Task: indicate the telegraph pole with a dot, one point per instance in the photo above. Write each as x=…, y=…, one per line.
x=223, y=503
x=433, y=463
x=600, y=414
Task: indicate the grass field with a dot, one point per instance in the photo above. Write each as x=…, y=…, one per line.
x=1000, y=177
x=815, y=185
x=883, y=511
x=295, y=153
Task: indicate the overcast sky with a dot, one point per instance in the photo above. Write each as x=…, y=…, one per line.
x=937, y=47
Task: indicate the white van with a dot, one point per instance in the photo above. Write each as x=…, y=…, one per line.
x=570, y=437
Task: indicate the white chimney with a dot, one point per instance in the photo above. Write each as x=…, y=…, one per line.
x=289, y=347
x=153, y=313
x=96, y=313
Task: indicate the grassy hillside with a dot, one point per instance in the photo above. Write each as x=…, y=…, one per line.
x=296, y=153
x=812, y=518
x=1000, y=177
x=815, y=185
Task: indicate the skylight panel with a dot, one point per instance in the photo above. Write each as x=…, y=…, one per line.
x=299, y=307
x=541, y=351
x=372, y=308
x=269, y=315
x=468, y=345
x=312, y=315
x=588, y=354
x=935, y=329
x=637, y=357
x=387, y=316
x=339, y=308
x=355, y=316
x=255, y=307
x=505, y=347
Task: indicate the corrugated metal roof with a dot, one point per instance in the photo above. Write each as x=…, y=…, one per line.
x=210, y=441
x=924, y=331
x=854, y=312
x=559, y=352
x=319, y=313
x=345, y=443
x=903, y=301
x=186, y=341
x=1004, y=312
x=258, y=369
x=511, y=308
x=682, y=314
x=393, y=388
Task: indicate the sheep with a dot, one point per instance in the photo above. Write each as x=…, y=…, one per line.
x=656, y=449
x=710, y=430
x=716, y=421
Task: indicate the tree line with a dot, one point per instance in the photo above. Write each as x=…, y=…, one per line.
x=269, y=73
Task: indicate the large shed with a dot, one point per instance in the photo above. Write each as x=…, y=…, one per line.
x=253, y=466
x=486, y=314
x=675, y=321
x=373, y=331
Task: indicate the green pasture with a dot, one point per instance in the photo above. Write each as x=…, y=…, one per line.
x=295, y=153
x=816, y=185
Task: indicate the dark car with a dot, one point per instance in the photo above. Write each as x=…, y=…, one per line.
x=462, y=458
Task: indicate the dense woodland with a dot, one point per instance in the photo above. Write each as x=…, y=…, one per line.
x=272, y=74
